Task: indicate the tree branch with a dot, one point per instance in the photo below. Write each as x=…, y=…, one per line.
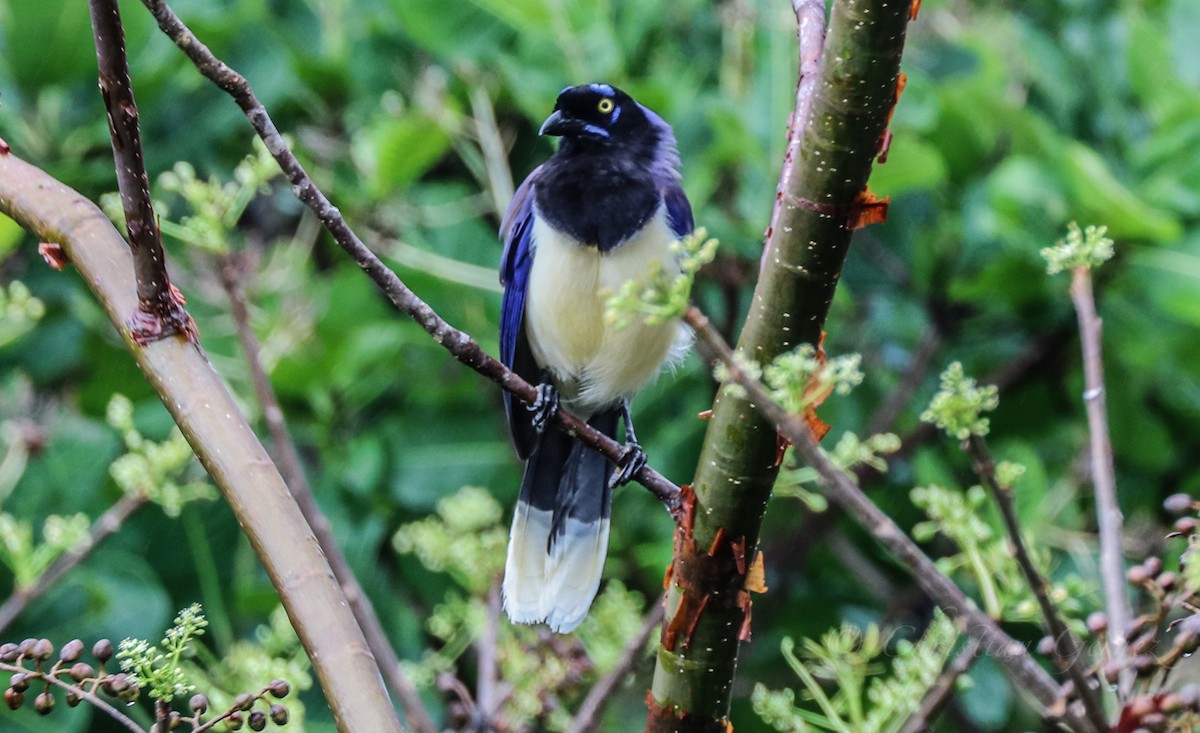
x=104, y=526
x=293, y=475
x=460, y=345
x=1108, y=510
x=941, y=690
x=588, y=716
x=1067, y=652
x=159, y=311
x=841, y=489
x=200, y=404
x=842, y=106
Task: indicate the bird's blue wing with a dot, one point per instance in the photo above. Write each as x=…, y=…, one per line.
x=516, y=230
x=679, y=210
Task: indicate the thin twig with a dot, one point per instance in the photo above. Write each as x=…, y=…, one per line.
x=459, y=344
x=97, y=701
x=588, y=715
x=841, y=489
x=104, y=526
x=160, y=313
x=296, y=479
x=1108, y=512
x=486, y=692
x=941, y=689
x=1068, y=655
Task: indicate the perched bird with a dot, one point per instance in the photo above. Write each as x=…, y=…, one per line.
x=600, y=212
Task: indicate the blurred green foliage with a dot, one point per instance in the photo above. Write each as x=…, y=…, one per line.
x=1016, y=119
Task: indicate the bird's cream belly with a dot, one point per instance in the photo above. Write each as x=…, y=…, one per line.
x=594, y=363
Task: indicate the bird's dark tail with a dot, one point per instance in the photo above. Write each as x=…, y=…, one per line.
x=559, y=537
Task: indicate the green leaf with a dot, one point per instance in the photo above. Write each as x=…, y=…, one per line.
x=397, y=152
x=1100, y=197
x=912, y=165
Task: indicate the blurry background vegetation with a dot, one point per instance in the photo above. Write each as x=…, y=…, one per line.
x=1017, y=118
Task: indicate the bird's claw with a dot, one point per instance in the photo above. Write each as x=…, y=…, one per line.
x=545, y=407
x=632, y=461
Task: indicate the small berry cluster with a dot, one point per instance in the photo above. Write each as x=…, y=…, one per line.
x=79, y=679
x=29, y=663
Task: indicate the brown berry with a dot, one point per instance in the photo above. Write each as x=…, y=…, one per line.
x=1190, y=695
x=173, y=720
x=19, y=681
x=1097, y=622
x=9, y=652
x=27, y=648
x=243, y=701
x=1167, y=581
x=1137, y=574
x=43, y=649
x=102, y=650
x=81, y=671
x=1171, y=703
x=279, y=688
x=257, y=720
x=1153, y=565
x=71, y=651
x=73, y=698
x=116, y=684
x=1185, y=525
x=1145, y=665
x=13, y=699
x=1045, y=646
x=1111, y=671
x=234, y=721
x=1141, y=706
x=199, y=703
x=1178, y=504
x=279, y=714
x=43, y=703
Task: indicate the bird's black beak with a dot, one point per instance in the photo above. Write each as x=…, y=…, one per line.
x=559, y=124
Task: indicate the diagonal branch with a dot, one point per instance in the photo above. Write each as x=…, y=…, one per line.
x=293, y=475
x=1068, y=654
x=941, y=689
x=225, y=444
x=588, y=716
x=104, y=526
x=460, y=345
x=160, y=311
x=843, y=491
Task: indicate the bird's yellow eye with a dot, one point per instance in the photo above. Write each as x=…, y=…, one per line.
x=605, y=106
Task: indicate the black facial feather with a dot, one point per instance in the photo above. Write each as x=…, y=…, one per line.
x=600, y=185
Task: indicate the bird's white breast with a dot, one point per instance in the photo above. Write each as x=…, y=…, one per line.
x=596, y=364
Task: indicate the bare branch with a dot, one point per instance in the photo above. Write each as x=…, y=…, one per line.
x=841, y=489
x=1108, y=511
x=1068, y=655
x=293, y=474
x=588, y=715
x=104, y=526
x=160, y=310
x=941, y=689
x=460, y=345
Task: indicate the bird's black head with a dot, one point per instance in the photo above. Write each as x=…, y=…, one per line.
x=600, y=115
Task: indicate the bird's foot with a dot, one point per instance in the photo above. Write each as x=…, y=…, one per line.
x=545, y=407
x=632, y=461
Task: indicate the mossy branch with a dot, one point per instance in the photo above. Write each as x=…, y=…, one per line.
x=210, y=420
